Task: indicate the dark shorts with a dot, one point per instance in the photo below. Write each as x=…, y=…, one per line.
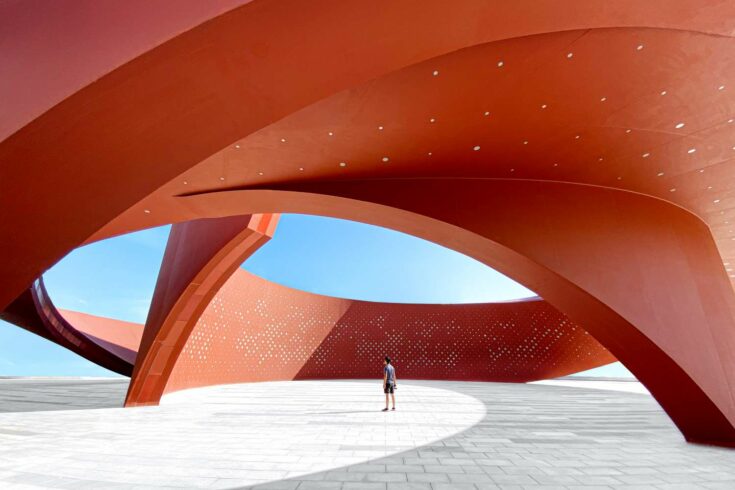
x=389, y=387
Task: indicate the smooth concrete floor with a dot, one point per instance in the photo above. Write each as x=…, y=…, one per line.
x=331, y=434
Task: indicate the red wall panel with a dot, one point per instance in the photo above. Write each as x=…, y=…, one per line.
x=255, y=330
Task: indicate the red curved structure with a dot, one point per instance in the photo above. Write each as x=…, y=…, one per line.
x=110, y=343
x=583, y=150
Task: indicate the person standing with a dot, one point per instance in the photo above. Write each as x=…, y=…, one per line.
x=389, y=382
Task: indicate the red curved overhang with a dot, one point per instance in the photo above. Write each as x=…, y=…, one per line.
x=270, y=58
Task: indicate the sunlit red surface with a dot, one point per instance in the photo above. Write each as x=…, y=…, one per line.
x=582, y=148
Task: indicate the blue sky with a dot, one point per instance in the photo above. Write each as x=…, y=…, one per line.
x=116, y=277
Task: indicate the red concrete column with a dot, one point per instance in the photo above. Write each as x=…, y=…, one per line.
x=200, y=256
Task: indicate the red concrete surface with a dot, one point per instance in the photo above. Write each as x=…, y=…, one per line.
x=119, y=337
x=199, y=257
x=600, y=176
x=51, y=49
x=256, y=330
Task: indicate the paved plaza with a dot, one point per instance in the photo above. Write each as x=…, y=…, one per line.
x=331, y=435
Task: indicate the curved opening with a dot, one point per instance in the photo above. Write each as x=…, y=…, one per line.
x=414, y=209
x=112, y=278
x=353, y=260
x=97, y=279
x=328, y=256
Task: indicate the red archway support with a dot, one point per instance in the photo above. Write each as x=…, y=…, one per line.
x=199, y=258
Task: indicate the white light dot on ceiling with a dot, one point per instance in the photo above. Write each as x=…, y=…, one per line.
x=576, y=137
x=500, y=64
x=544, y=106
x=385, y=159
x=620, y=178
x=709, y=187
x=432, y=120
x=147, y=211
x=556, y=164
x=512, y=170
x=664, y=92
x=679, y=125
x=221, y=178
x=301, y=169
x=639, y=47
x=570, y=54
x=603, y=99
x=627, y=131
x=342, y=164
x=716, y=201
x=430, y=153
x=525, y=142
x=646, y=155
x=730, y=121
x=237, y=147
x=721, y=87
x=673, y=189
x=701, y=170
x=186, y=182
x=660, y=174
x=283, y=140
x=486, y=113
x=330, y=133
x=476, y=148
x=260, y=173
x=380, y=128
x=435, y=73
x=599, y=159
x=691, y=150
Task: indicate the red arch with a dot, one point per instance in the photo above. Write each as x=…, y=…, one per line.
x=200, y=256
x=609, y=268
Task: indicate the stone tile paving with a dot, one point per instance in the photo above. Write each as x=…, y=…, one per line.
x=40, y=394
x=331, y=434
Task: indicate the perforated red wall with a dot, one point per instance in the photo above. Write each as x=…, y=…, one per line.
x=255, y=330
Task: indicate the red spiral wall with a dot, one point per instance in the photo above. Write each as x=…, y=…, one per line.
x=255, y=330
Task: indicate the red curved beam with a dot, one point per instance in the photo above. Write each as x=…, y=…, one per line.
x=200, y=256
x=109, y=343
